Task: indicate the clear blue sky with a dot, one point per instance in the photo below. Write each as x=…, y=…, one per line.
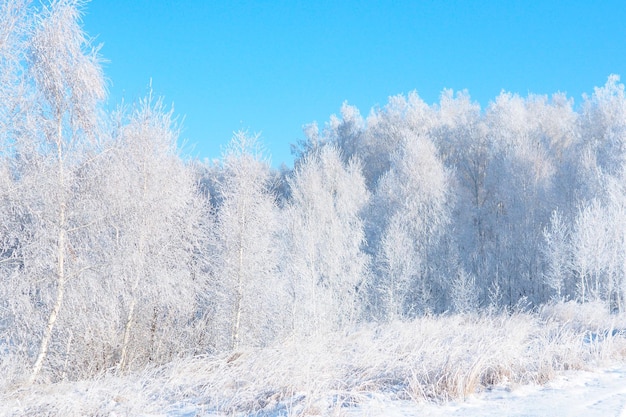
x=273, y=66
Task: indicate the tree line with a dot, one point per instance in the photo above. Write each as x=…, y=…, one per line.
x=117, y=252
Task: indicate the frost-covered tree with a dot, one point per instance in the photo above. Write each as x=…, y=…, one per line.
x=68, y=84
x=603, y=126
x=589, y=240
x=463, y=142
x=464, y=293
x=248, y=290
x=346, y=133
x=597, y=247
x=153, y=215
x=14, y=25
x=326, y=269
x=557, y=254
x=15, y=22
x=398, y=265
x=616, y=244
x=597, y=241
x=411, y=211
x=520, y=181
x=386, y=129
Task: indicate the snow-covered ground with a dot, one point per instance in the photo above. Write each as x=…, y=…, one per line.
x=599, y=393
x=576, y=393
x=522, y=364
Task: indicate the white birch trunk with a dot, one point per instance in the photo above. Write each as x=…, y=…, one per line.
x=239, y=296
x=61, y=278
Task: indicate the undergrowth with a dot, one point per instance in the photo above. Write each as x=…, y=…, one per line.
x=432, y=359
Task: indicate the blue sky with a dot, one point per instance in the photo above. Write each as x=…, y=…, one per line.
x=272, y=66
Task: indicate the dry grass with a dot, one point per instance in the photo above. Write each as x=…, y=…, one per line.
x=428, y=359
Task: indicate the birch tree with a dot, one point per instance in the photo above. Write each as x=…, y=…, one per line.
x=153, y=216
x=69, y=84
x=414, y=193
x=247, y=288
x=464, y=144
x=327, y=269
x=557, y=253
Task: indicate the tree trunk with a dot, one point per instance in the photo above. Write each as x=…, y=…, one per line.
x=239, y=295
x=141, y=271
x=47, y=336
x=61, y=278
x=129, y=321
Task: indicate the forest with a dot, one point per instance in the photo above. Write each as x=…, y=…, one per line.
x=117, y=252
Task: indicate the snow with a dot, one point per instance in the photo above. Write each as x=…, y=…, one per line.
x=484, y=365
x=600, y=392
x=575, y=393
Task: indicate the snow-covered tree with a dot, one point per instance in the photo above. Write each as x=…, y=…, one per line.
x=386, y=129
x=248, y=290
x=589, y=240
x=15, y=21
x=463, y=142
x=68, y=85
x=603, y=125
x=326, y=268
x=398, y=266
x=464, y=293
x=557, y=254
x=153, y=215
x=411, y=211
x=520, y=181
x=14, y=25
